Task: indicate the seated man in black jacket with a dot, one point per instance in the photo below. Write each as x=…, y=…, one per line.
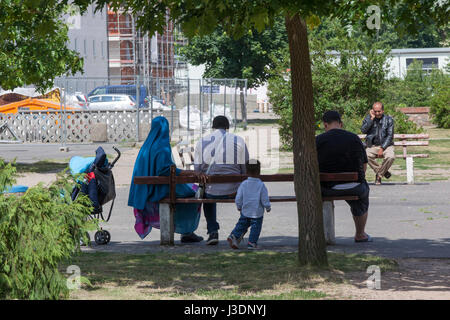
x=380, y=140
x=342, y=151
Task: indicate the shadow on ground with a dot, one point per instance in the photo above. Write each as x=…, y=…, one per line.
x=41, y=167
x=216, y=271
x=400, y=248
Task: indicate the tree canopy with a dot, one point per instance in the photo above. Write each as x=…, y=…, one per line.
x=33, y=44
x=250, y=57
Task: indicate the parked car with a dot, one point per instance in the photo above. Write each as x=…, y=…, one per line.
x=129, y=90
x=111, y=102
x=77, y=100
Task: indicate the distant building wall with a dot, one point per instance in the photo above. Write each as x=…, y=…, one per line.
x=431, y=57
x=88, y=36
x=419, y=115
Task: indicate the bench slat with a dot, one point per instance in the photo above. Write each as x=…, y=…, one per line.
x=151, y=180
x=287, y=177
x=404, y=136
x=411, y=136
x=413, y=156
x=272, y=199
x=411, y=143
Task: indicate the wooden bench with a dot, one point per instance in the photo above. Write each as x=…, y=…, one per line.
x=167, y=205
x=405, y=140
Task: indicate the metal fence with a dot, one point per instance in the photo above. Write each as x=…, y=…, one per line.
x=188, y=104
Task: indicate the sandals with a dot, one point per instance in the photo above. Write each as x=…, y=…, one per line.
x=368, y=239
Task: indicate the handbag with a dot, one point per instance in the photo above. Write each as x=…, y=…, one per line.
x=200, y=193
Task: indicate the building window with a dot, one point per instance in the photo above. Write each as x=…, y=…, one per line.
x=75, y=45
x=93, y=48
x=85, y=47
x=428, y=64
x=102, y=48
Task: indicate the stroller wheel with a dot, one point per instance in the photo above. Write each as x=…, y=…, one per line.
x=100, y=237
x=107, y=236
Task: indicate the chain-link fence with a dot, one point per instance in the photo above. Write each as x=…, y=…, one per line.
x=113, y=110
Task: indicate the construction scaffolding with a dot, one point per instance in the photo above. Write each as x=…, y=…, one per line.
x=133, y=53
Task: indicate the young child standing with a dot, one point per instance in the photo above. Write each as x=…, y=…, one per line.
x=251, y=199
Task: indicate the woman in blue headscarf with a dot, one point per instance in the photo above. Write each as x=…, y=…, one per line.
x=155, y=159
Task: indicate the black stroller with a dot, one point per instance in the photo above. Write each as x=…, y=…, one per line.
x=99, y=186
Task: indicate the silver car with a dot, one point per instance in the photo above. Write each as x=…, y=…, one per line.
x=111, y=102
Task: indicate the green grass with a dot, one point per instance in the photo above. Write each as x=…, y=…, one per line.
x=221, y=275
x=49, y=165
x=437, y=164
x=45, y=166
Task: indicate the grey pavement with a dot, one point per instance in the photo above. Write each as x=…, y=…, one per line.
x=404, y=220
x=33, y=152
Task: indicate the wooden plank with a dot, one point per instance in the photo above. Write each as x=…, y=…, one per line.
x=151, y=180
x=412, y=156
x=271, y=198
x=341, y=176
x=404, y=136
x=411, y=143
x=287, y=177
x=340, y=198
x=173, y=183
x=412, y=136
x=193, y=200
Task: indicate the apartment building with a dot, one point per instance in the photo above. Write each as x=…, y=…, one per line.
x=88, y=35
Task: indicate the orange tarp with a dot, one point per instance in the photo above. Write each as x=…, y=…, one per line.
x=11, y=97
x=32, y=104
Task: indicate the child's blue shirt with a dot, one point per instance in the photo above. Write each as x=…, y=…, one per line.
x=252, y=197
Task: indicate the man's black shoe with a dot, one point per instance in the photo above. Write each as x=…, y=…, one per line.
x=190, y=237
x=387, y=175
x=213, y=239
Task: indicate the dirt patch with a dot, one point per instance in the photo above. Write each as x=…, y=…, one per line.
x=31, y=179
x=415, y=279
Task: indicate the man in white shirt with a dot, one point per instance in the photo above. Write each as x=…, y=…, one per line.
x=221, y=153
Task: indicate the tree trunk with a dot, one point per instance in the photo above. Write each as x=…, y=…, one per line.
x=312, y=246
x=243, y=108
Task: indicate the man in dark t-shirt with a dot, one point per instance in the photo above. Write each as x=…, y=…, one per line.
x=342, y=151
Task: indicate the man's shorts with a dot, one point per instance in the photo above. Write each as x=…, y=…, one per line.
x=358, y=207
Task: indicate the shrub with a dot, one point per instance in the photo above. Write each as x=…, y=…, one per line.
x=440, y=104
x=38, y=230
x=349, y=85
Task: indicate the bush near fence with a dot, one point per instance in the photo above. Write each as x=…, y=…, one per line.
x=38, y=229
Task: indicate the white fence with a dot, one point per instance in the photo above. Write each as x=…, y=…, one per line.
x=81, y=126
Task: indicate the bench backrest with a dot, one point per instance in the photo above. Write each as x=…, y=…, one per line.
x=404, y=140
x=173, y=179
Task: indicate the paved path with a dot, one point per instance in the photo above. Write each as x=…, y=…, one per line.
x=33, y=152
x=405, y=220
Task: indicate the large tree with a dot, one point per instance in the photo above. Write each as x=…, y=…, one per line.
x=249, y=57
x=33, y=44
x=199, y=17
